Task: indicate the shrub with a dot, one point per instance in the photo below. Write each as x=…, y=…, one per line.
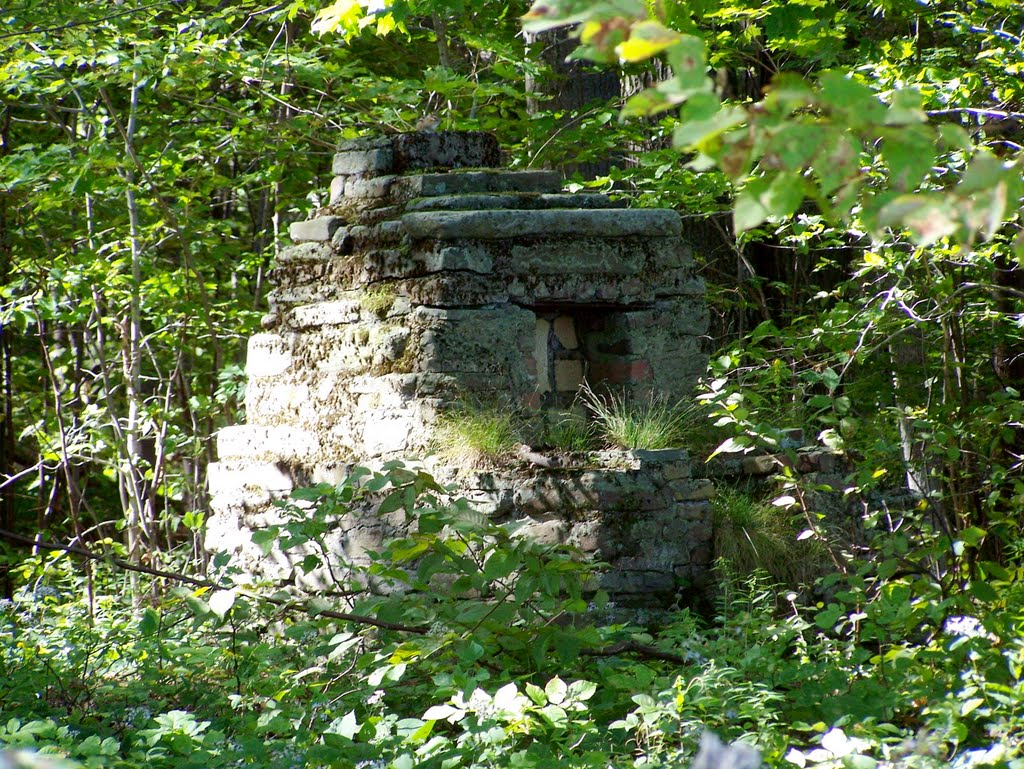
x=754, y=535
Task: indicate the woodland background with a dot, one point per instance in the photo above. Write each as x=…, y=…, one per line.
x=852, y=172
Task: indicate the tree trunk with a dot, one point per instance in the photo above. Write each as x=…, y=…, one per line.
x=574, y=86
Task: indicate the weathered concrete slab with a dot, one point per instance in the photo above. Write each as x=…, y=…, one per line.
x=458, y=183
x=505, y=224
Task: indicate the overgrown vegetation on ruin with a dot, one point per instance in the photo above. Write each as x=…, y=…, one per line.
x=851, y=177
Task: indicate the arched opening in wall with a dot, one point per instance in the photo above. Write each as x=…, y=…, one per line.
x=601, y=345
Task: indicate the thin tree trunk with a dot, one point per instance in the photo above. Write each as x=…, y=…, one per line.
x=133, y=473
x=7, y=413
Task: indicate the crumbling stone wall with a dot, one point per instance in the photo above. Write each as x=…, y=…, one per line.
x=432, y=277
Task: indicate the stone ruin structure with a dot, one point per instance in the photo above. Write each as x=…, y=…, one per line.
x=434, y=278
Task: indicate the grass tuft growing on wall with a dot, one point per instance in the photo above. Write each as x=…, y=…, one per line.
x=651, y=424
x=570, y=432
x=475, y=435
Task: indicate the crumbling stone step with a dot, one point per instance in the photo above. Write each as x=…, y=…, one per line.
x=463, y=182
x=502, y=225
x=523, y=200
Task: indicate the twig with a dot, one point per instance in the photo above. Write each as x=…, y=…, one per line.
x=632, y=647
x=122, y=563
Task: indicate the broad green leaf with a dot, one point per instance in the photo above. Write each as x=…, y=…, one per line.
x=645, y=40
x=909, y=152
x=749, y=208
x=695, y=132
x=347, y=726
x=265, y=539
x=581, y=691
x=555, y=689
x=853, y=100
x=983, y=591
x=536, y=694
x=905, y=107
x=444, y=713
x=929, y=218
x=969, y=706
x=149, y=623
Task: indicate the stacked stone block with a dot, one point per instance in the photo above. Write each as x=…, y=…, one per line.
x=433, y=277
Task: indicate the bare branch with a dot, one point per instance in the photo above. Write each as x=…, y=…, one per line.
x=126, y=565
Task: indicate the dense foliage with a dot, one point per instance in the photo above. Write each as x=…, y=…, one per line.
x=474, y=651
x=856, y=165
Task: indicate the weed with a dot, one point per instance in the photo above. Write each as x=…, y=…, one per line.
x=570, y=432
x=651, y=424
x=753, y=535
x=378, y=300
x=475, y=435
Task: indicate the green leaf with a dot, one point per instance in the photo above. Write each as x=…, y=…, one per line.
x=854, y=101
x=983, y=591
x=973, y=535
x=969, y=706
x=392, y=502
x=265, y=539
x=749, y=209
x=444, y=713
x=500, y=564
x=555, y=715
x=826, y=618
x=695, y=131
x=536, y=694
x=910, y=154
x=347, y=726
x=905, y=107
x=645, y=40
x=929, y=218
x=556, y=689
x=221, y=601
x=149, y=623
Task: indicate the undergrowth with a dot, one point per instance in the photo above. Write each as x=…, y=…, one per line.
x=754, y=535
x=474, y=649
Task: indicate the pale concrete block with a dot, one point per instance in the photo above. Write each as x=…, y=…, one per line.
x=268, y=355
x=545, y=532
x=377, y=187
x=326, y=313
x=223, y=532
x=473, y=258
x=386, y=435
x=257, y=441
x=375, y=161
x=759, y=465
x=225, y=479
x=695, y=491
x=319, y=230
x=565, y=332
x=337, y=188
